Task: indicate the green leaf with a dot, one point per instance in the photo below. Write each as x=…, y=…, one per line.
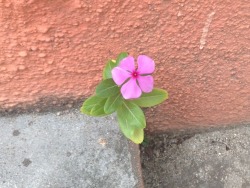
x=108, y=68
x=107, y=88
x=98, y=110
x=121, y=56
x=137, y=136
x=153, y=98
x=125, y=127
x=113, y=103
x=130, y=131
x=130, y=113
x=131, y=121
x=94, y=106
x=112, y=64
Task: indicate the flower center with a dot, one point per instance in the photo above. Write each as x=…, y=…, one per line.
x=135, y=74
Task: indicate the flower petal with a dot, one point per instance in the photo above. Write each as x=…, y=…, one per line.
x=128, y=64
x=119, y=75
x=145, y=64
x=131, y=90
x=146, y=83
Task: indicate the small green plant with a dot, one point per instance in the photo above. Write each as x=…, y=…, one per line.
x=126, y=88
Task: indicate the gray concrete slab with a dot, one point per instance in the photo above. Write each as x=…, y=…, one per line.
x=218, y=159
x=64, y=150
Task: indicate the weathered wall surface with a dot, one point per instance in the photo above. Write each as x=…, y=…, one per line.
x=201, y=48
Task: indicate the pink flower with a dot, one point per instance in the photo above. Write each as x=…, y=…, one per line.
x=134, y=80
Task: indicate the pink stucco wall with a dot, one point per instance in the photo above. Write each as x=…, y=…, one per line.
x=201, y=49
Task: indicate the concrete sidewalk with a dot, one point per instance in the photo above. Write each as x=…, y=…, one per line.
x=218, y=159
x=66, y=150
